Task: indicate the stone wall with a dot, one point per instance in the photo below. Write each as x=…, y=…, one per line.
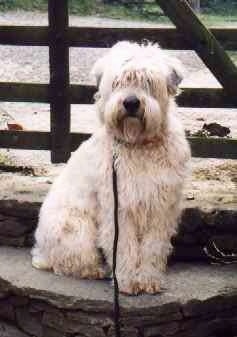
x=24, y=317
x=18, y=221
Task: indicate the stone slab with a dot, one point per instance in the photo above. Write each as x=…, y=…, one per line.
x=188, y=286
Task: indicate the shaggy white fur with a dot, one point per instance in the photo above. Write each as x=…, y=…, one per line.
x=76, y=219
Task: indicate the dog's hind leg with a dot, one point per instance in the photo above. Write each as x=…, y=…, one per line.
x=66, y=234
x=39, y=261
x=69, y=245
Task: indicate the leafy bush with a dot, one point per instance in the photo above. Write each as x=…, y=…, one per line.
x=212, y=11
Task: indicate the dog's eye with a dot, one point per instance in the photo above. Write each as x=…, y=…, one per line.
x=115, y=84
x=127, y=60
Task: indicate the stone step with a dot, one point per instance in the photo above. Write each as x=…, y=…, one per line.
x=199, y=301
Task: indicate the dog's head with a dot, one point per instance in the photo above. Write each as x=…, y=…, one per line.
x=135, y=86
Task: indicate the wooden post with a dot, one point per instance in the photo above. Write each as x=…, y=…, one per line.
x=202, y=41
x=195, y=4
x=59, y=80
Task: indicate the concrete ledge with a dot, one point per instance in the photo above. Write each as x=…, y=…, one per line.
x=198, y=300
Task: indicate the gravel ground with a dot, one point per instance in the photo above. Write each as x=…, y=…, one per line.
x=30, y=64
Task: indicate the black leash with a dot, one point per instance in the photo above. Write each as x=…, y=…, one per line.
x=116, y=235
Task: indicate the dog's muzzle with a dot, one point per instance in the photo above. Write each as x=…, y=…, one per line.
x=132, y=105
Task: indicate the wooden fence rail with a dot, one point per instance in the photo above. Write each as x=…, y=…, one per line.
x=83, y=94
x=59, y=37
x=41, y=140
x=168, y=37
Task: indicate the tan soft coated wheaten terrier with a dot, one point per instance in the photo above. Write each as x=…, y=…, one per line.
x=135, y=101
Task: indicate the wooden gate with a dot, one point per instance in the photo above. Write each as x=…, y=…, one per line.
x=60, y=94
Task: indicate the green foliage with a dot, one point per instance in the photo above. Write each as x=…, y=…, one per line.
x=213, y=11
x=116, y=11
x=23, y=4
x=212, y=3
x=82, y=6
x=219, y=12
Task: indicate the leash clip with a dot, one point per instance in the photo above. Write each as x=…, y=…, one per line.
x=115, y=152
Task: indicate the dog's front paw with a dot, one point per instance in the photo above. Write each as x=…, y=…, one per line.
x=129, y=288
x=138, y=285
x=134, y=287
x=151, y=287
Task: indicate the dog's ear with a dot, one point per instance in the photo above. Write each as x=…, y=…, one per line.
x=175, y=76
x=98, y=69
x=115, y=57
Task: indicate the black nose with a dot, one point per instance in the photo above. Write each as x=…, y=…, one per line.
x=131, y=104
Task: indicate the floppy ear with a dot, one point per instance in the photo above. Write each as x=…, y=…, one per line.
x=98, y=69
x=116, y=56
x=175, y=76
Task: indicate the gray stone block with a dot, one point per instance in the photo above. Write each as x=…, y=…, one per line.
x=12, y=227
x=72, y=324
x=29, y=322
x=125, y=332
x=7, y=330
x=6, y=310
x=169, y=329
x=50, y=332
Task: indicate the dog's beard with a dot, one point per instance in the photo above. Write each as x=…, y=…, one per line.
x=132, y=128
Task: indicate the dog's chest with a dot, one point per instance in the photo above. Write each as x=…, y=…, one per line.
x=139, y=180
x=143, y=181
x=139, y=191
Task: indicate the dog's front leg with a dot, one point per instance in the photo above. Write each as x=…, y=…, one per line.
x=155, y=249
x=127, y=255
x=128, y=259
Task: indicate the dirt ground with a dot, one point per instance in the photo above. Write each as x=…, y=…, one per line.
x=30, y=64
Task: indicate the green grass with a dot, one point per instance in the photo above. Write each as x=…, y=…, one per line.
x=218, y=12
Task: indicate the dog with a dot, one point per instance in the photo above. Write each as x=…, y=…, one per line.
x=140, y=128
